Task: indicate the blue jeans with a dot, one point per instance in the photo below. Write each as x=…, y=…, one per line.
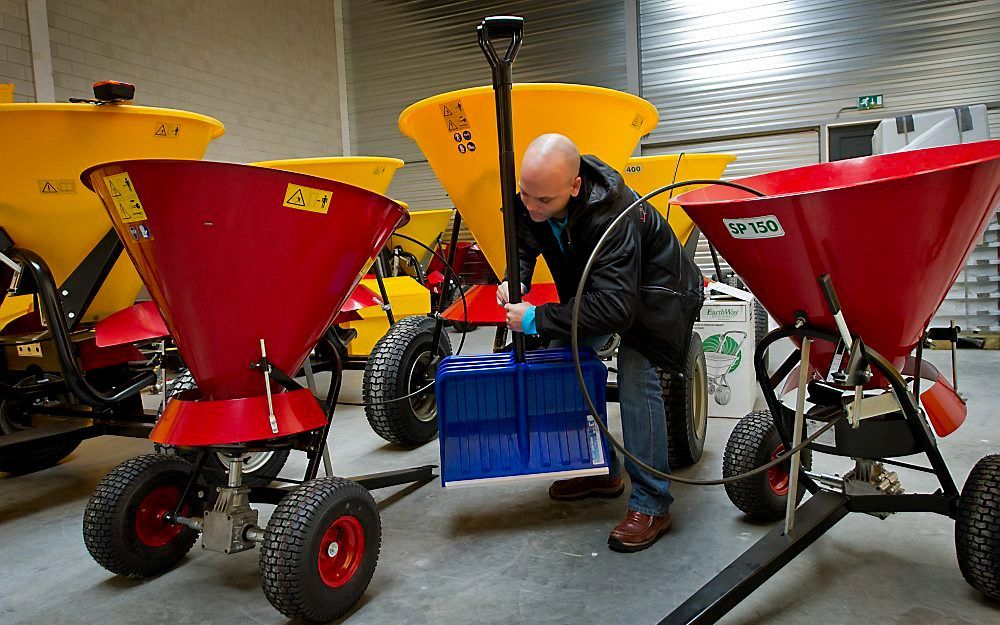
x=644, y=427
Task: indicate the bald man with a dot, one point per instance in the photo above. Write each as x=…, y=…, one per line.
x=641, y=287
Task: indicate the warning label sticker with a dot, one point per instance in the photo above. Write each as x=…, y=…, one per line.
x=166, y=131
x=125, y=197
x=638, y=121
x=307, y=198
x=454, y=116
x=56, y=186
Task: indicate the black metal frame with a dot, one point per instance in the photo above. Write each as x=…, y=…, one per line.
x=62, y=307
x=824, y=508
x=313, y=443
x=358, y=363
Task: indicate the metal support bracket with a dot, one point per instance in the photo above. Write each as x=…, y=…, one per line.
x=760, y=562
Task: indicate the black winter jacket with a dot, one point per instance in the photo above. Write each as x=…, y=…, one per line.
x=642, y=285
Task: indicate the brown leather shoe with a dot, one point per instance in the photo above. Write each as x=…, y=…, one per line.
x=638, y=531
x=589, y=486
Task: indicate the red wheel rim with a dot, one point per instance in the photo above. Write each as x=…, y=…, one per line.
x=150, y=527
x=777, y=477
x=341, y=551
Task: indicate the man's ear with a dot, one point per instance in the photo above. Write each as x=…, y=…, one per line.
x=577, y=183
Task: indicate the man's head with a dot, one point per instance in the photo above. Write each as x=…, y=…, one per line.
x=550, y=176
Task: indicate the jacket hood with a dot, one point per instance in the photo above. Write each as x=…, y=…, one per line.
x=606, y=184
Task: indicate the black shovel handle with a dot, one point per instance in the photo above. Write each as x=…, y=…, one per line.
x=512, y=28
x=501, y=27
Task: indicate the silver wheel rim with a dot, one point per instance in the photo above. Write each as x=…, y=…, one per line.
x=252, y=460
x=699, y=399
x=424, y=406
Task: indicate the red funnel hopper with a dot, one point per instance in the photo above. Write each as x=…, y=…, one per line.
x=893, y=232
x=233, y=254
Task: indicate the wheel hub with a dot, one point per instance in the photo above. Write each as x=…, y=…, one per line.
x=341, y=550
x=777, y=478
x=424, y=405
x=150, y=527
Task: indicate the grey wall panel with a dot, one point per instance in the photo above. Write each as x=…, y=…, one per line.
x=417, y=185
x=401, y=52
x=724, y=68
x=755, y=155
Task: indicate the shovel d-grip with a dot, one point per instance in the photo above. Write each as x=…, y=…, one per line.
x=506, y=27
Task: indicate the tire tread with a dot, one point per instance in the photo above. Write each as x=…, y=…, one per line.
x=105, y=507
x=977, y=528
x=381, y=382
x=288, y=533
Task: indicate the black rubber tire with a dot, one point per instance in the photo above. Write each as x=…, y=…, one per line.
x=751, y=444
x=686, y=432
x=759, y=325
x=977, y=528
x=216, y=471
x=41, y=455
x=183, y=381
x=109, y=520
x=387, y=377
x=38, y=457
x=289, y=555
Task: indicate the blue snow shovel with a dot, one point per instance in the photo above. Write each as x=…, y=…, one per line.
x=515, y=415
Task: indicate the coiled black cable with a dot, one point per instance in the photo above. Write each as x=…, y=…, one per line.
x=574, y=331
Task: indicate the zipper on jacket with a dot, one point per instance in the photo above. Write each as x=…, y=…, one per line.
x=659, y=288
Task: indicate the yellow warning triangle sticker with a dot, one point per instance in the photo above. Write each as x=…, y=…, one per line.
x=48, y=188
x=446, y=111
x=114, y=190
x=451, y=125
x=296, y=199
x=161, y=131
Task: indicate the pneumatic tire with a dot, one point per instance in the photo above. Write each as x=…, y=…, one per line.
x=320, y=549
x=398, y=365
x=123, y=525
x=977, y=528
x=685, y=399
x=755, y=441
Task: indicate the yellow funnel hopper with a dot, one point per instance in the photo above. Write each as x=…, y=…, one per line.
x=43, y=205
x=648, y=173
x=373, y=173
x=424, y=226
x=457, y=132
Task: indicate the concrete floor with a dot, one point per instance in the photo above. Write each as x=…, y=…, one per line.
x=509, y=554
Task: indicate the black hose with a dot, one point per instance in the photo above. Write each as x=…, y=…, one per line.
x=574, y=331
x=461, y=343
x=74, y=377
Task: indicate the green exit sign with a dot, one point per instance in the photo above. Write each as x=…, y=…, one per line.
x=867, y=102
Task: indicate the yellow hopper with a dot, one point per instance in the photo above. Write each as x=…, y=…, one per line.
x=457, y=132
x=424, y=226
x=648, y=173
x=373, y=173
x=43, y=205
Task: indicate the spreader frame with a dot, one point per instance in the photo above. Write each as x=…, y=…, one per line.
x=62, y=313
x=825, y=508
